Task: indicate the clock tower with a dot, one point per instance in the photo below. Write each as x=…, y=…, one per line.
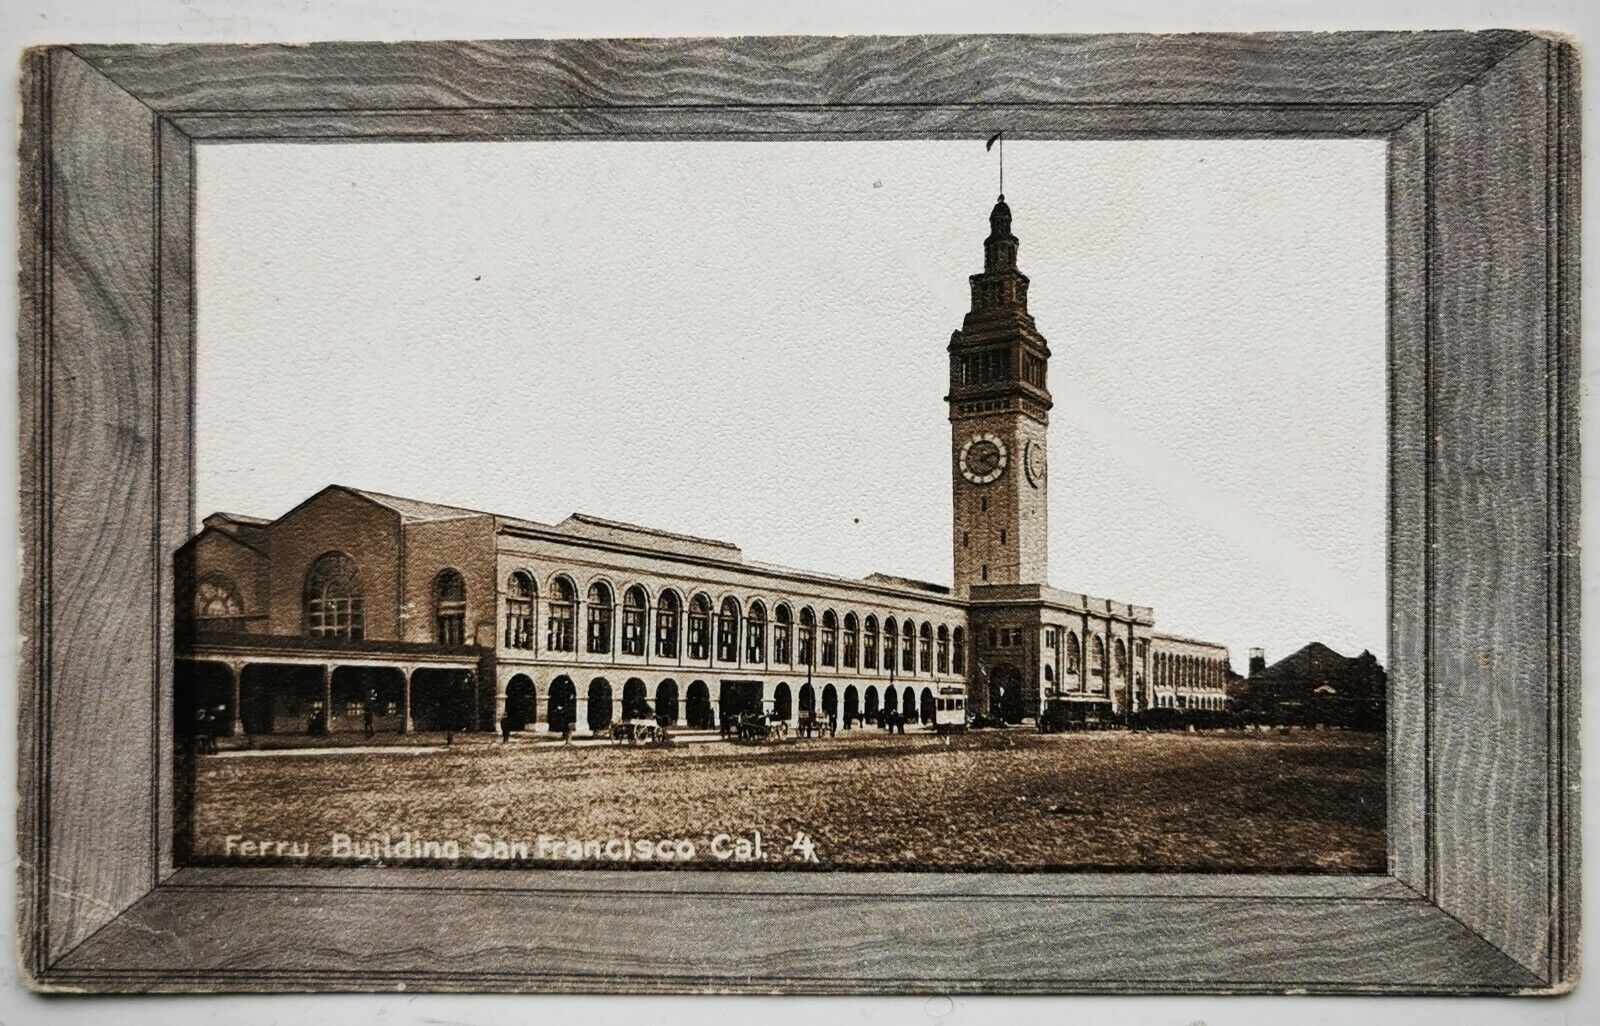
x=999, y=408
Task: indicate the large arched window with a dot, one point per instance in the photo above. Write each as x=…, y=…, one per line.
x=1120, y=659
x=925, y=648
x=602, y=611
x=782, y=649
x=958, y=650
x=944, y=648
x=215, y=596
x=755, y=634
x=1097, y=658
x=667, y=613
x=908, y=651
x=1074, y=654
x=519, y=610
x=728, y=631
x=830, y=638
x=852, y=640
x=699, y=627
x=450, y=608
x=891, y=630
x=869, y=643
x=808, y=637
x=333, y=598
x=633, y=614
x=561, y=624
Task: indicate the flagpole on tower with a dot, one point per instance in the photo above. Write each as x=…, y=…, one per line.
x=999, y=137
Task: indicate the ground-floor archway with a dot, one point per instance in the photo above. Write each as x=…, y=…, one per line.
x=667, y=702
x=368, y=699
x=599, y=704
x=1005, y=694
x=808, y=699
x=869, y=706
x=830, y=702
x=562, y=714
x=522, y=702
x=908, y=704
x=202, y=699
x=891, y=701
x=782, y=702
x=697, y=707
x=928, y=706
x=852, y=706
x=279, y=698
x=442, y=699
x=635, y=700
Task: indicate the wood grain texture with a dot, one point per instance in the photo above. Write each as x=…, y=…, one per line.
x=354, y=938
x=1484, y=575
x=1491, y=465
x=97, y=444
x=756, y=123
x=1394, y=67
x=1407, y=778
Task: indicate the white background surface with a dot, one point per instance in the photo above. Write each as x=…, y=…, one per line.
x=746, y=341
x=156, y=21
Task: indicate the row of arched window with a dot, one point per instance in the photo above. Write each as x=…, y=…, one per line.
x=1068, y=662
x=1186, y=671
x=731, y=632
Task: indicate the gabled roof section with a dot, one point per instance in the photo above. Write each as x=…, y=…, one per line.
x=414, y=510
x=585, y=525
x=247, y=531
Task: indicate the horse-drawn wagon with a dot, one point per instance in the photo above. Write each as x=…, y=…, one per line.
x=638, y=731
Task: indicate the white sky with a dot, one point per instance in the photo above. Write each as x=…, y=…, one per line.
x=747, y=341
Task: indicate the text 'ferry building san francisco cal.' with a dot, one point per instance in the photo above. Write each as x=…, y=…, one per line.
x=357, y=610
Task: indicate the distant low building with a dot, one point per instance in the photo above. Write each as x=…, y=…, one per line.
x=1316, y=685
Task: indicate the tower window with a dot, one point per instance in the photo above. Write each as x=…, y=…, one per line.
x=966, y=538
x=986, y=571
x=983, y=503
x=1002, y=536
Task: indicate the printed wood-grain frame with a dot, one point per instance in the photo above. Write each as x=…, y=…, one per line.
x=1481, y=895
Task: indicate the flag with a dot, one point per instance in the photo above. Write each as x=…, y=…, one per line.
x=992, y=140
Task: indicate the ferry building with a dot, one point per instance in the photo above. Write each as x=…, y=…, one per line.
x=358, y=609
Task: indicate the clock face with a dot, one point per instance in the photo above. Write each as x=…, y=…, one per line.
x=983, y=459
x=1033, y=462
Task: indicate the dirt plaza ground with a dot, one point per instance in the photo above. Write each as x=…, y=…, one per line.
x=990, y=800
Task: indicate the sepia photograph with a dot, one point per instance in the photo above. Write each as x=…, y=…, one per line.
x=788, y=504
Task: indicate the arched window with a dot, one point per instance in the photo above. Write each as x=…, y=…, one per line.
x=908, y=643
x=699, y=627
x=216, y=595
x=869, y=643
x=1120, y=664
x=519, y=610
x=332, y=598
x=808, y=637
x=830, y=638
x=633, y=613
x=944, y=648
x=755, y=634
x=852, y=640
x=1097, y=657
x=925, y=648
x=891, y=630
x=667, y=613
x=561, y=623
x=782, y=648
x=728, y=631
x=958, y=650
x=1074, y=654
x=450, y=608
x=601, y=613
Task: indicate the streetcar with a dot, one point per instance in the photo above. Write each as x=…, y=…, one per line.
x=950, y=710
